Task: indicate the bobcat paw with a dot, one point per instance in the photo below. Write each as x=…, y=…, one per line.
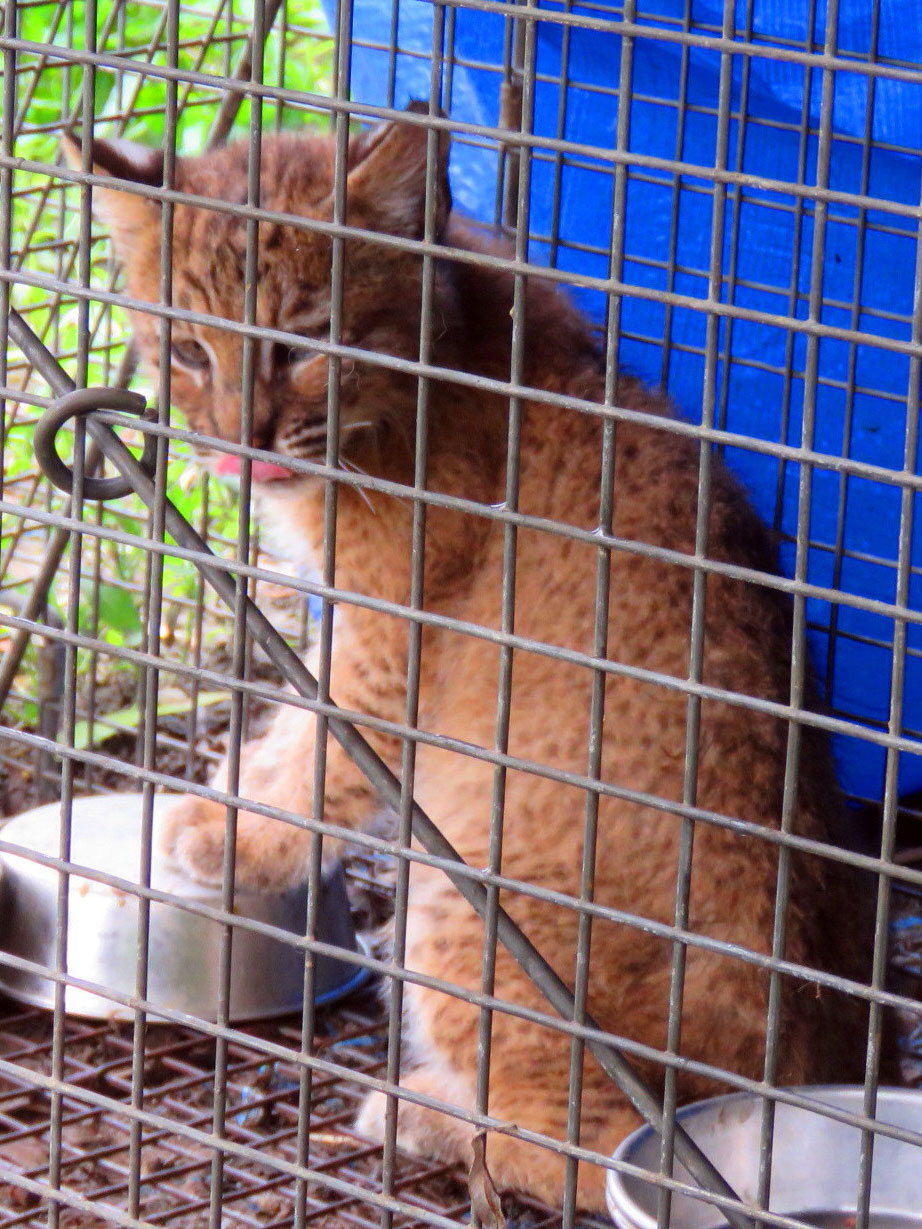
x=422, y=1131
x=191, y=836
x=269, y=856
x=370, y=1120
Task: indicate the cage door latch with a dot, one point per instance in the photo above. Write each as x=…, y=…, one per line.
x=78, y=404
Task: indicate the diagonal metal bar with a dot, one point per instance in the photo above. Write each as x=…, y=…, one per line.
x=520, y=947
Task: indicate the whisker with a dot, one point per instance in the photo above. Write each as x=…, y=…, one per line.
x=357, y=469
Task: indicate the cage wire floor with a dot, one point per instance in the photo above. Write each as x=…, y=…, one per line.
x=176, y=1175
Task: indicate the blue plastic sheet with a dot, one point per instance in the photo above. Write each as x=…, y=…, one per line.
x=868, y=272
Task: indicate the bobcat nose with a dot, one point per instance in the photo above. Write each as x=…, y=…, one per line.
x=260, y=436
x=262, y=419
x=261, y=416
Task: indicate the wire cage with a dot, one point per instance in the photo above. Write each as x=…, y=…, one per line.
x=732, y=194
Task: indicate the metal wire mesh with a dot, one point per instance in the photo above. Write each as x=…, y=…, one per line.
x=123, y=671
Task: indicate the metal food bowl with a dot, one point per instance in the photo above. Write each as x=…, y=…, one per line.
x=815, y=1162
x=267, y=973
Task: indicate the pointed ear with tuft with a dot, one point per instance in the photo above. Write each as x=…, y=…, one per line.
x=386, y=184
x=126, y=215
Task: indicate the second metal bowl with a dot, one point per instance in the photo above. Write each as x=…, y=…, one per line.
x=815, y=1162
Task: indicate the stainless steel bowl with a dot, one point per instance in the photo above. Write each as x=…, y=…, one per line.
x=267, y=973
x=814, y=1162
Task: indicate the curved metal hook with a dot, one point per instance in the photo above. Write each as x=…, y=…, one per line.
x=75, y=404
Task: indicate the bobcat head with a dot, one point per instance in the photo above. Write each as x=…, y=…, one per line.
x=381, y=286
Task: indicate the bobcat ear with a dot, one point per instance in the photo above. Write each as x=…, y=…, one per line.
x=126, y=214
x=386, y=183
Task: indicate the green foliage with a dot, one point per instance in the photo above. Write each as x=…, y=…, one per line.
x=118, y=614
x=170, y=703
x=92, y=338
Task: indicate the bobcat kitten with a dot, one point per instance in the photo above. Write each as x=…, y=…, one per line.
x=739, y=775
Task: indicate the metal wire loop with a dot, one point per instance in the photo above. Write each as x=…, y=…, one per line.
x=80, y=402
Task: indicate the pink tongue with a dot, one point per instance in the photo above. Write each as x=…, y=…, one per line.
x=262, y=471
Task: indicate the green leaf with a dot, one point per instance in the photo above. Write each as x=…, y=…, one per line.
x=118, y=611
x=170, y=703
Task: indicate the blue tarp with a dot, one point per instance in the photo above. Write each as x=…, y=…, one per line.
x=868, y=273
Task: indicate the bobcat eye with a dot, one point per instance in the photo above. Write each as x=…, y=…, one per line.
x=190, y=353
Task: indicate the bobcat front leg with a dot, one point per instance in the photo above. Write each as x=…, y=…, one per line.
x=277, y=770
